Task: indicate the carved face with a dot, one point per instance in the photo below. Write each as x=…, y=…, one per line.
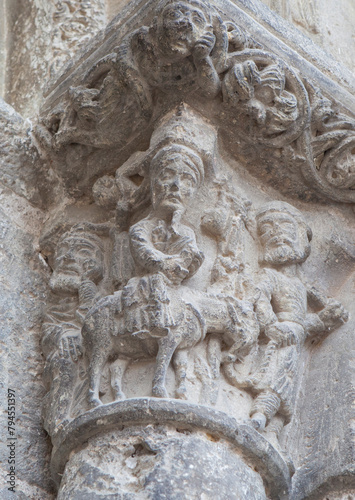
x=76, y=258
x=174, y=185
x=284, y=240
x=181, y=25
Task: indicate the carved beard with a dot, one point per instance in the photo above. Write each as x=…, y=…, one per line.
x=65, y=283
x=284, y=254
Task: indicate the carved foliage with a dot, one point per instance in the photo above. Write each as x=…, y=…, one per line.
x=187, y=49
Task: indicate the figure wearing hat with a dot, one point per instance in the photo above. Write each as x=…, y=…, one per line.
x=282, y=311
x=78, y=268
x=162, y=246
x=164, y=249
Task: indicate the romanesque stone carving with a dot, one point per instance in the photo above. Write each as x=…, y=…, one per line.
x=282, y=310
x=187, y=49
x=77, y=273
x=165, y=299
x=332, y=149
x=274, y=116
x=174, y=53
x=249, y=325
x=155, y=314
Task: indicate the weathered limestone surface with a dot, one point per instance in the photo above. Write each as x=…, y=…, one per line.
x=177, y=251
x=328, y=22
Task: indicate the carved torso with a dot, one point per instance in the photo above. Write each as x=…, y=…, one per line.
x=152, y=240
x=287, y=295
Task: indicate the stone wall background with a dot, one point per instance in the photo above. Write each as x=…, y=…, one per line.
x=329, y=23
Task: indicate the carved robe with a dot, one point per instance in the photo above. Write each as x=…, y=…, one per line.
x=147, y=300
x=62, y=348
x=283, y=300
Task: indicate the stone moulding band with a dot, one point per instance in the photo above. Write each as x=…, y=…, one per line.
x=256, y=450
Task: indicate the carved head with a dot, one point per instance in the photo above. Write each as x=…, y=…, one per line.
x=261, y=95
x=284, y=234
x=176, y=173
x=180, y=25
x=79, y=255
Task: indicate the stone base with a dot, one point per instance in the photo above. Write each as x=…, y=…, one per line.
x=158, y=448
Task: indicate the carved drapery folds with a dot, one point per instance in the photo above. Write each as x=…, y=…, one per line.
x=175, y=284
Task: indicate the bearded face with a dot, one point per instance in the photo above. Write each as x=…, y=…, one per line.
x=284, y=240
x=76, y=258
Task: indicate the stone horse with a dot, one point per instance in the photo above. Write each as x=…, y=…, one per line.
x=106, y=339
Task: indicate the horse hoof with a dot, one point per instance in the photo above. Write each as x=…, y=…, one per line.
x=119, y=396
x=160, y=392
x=94, y=402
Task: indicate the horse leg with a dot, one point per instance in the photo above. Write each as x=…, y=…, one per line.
x=180, y=362
x=167, y=346
x=97, y=343
x=97, y=363
x=117, y=369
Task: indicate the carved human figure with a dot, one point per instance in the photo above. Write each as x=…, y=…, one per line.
x=184, y=29
x=161, y=244
x=282, y=311
x=78, y=268
x=174, y=52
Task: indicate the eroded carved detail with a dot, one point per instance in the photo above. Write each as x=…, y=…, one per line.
x=76, y=283
x=74, y=23
x=187, y=49
x=283, y=310
x=155, y=314
x=166, y=299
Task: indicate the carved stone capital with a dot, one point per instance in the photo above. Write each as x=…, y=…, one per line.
x=184, y=294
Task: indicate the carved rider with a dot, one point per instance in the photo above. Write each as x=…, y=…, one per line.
x=78, y=268
x=282, y=311
x=157, y=312
x=161, y=244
